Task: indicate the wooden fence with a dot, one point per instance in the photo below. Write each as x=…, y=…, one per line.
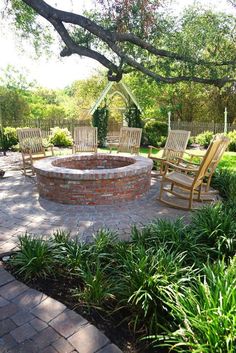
x=197, y=127
x=113, y=128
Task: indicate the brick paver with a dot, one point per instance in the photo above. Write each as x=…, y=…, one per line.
x=23, y=332
x=48, y=309
x=12, y=289
x=68, y=323
x=63, y=346
x=88, y=339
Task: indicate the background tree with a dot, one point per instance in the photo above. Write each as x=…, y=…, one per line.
x=130, y=35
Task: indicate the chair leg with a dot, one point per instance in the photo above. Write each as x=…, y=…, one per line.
x=199, y=194
x=161, y=189
x=191, y=199
x=24, y=169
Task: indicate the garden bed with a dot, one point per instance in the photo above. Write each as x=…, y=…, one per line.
x=164, y=287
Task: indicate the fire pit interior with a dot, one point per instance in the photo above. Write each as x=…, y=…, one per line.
x=93, y=179
x=93, y=162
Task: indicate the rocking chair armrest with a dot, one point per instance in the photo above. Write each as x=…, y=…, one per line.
x=187, y=162
x=174, y=166
x=192, y=155
x=150, y=148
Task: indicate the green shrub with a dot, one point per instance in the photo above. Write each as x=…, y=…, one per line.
x=204, y=139
x=155, y=133
x=35, y=259
x=8, y=138
x=206, y=312
x=232, y=144
x=61, y=137
x=191, y=141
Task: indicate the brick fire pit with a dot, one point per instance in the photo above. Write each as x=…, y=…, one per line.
x=93, y=179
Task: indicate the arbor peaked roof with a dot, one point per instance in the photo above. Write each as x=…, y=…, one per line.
x=112, y=88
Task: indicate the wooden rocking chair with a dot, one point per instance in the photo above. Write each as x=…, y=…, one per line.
x=191, y=180
x=31, y=147
x=85, y=139
x=175, y=147
x=219, y=154
x=129, y=140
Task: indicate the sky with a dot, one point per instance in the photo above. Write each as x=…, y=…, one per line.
x=55, y=72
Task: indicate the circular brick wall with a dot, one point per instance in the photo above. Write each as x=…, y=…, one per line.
x=93, y=179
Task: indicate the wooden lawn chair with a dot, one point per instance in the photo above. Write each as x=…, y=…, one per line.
x=188, y=179
x=31, y=147
x=129, y=140
x=175, y=147
x=85, y=139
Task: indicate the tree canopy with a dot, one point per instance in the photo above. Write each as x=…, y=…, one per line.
x=126, y=35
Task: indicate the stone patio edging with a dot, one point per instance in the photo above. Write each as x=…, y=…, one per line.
x=32, y=322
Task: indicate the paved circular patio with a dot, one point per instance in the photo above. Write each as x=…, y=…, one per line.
x=23, y=210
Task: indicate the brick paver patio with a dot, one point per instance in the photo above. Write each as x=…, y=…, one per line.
x=22, y=210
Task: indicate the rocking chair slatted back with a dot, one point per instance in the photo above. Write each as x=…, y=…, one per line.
x=207, y=161
x=176, y=144
x=130, y=140
x=30, y=140
x=31, y=146
x=85, y=139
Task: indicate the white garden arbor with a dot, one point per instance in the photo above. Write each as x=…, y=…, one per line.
x=118, y=97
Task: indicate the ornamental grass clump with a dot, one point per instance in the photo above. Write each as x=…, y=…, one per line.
x=71, y=252
x=142, y=279
x=97, y=289
x=36, y=258
x=206, y=312
x=215, y=226
x=224, y=180
x=176, y=236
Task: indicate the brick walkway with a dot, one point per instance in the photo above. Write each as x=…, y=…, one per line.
x=31, y=322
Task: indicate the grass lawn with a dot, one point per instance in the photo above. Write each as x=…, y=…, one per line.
x=228, y=160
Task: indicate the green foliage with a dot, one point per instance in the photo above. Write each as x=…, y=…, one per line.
x=176, y=236
x=100, y=120
x=133, y=117
x=142, y=279
x=155, y=133
x=35, y=259
x=215, y=226
x=224, y=180
x=232, y=144
x=206, y=311
x=14, y=107
x=204, y=138
x=61, y=137
x=8, y=138
x=11, y=135
x=97, y=287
